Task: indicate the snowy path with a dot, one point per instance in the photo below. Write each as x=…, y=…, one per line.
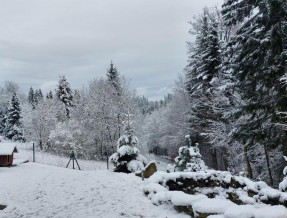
x=36, y=190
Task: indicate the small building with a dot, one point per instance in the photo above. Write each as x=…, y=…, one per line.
x=6, y=154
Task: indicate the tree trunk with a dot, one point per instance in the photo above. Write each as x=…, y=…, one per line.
x=249, y=169
x=214, y=159
x=268, y=165
x=225, y=158
x=41, y=144
x=284, y=143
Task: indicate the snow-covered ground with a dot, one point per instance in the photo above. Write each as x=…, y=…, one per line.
x=26, y=153
x=47, y=189
x=38, y=190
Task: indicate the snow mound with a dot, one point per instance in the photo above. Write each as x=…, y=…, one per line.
x=212, y=206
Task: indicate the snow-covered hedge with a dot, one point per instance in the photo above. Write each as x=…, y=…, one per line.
x=201, y=194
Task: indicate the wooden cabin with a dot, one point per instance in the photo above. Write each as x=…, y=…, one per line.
x=6, y=154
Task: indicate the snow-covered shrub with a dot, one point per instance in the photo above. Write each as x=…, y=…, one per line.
x=127, y=158
x=189, y=158
x=65, y=138
x=283, y=184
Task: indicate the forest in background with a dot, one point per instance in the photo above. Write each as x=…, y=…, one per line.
x=231, y=98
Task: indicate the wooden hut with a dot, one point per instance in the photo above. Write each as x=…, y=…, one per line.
x=6, y=154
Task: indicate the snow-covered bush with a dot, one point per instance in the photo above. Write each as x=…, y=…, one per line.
x=189, y=159
x=65, y=138
x=127, y=158
x=283, y=184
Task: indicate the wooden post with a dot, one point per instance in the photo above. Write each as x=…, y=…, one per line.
x=143, y=175
x=33, y=152
x=107, y=159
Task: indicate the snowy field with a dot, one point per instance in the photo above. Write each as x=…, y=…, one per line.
x=47, y=189
x=38, y=190
x=26, y=153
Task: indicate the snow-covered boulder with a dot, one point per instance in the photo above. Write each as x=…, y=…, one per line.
x=283, y=184
x=221, y=190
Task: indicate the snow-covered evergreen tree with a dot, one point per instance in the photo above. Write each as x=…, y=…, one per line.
x=31, y=96
x=189, y=159
x=49, y=95
x=3, y=119
x=38, y=96
x=114, y=78
x=65, y=94
x=258, y=63
x=13, y=129
x=204, y=80
x=127, y=158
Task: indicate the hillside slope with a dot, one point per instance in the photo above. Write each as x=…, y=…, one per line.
x=37, y=190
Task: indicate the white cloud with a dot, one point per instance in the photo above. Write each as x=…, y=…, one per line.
x=42, y=39
x=49, y=85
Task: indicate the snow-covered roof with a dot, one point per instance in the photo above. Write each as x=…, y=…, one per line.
x=7, y=148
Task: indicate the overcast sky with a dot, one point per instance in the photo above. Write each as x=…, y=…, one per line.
x=42, y=39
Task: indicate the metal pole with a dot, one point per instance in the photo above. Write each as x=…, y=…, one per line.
x=73, y=163
x=77, y=164
x=33, y=152
x=68, y=163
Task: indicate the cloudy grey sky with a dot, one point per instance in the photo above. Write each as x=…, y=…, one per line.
x=42, y=39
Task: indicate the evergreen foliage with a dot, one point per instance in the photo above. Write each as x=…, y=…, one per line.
x=127, y=158
x=65, y=94
x=13, y=128
x=49, y=95
x=258, y=63
x=31, y=96
x=114, y=78
x=205, y=79
x=189, y=159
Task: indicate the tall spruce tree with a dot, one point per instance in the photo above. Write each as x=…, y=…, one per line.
x=14, y=129
x=38, y=96
x=65, y=94
x=31, y=96
x=3, y=120
x=49, y=95
x=203, y=81
x=114, y=78
x=259, y=61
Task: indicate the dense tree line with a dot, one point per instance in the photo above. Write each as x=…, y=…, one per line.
x=88, y=121
x=235, y=81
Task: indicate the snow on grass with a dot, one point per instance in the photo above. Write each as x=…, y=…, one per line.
x=37, y=190
x=26, y=152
